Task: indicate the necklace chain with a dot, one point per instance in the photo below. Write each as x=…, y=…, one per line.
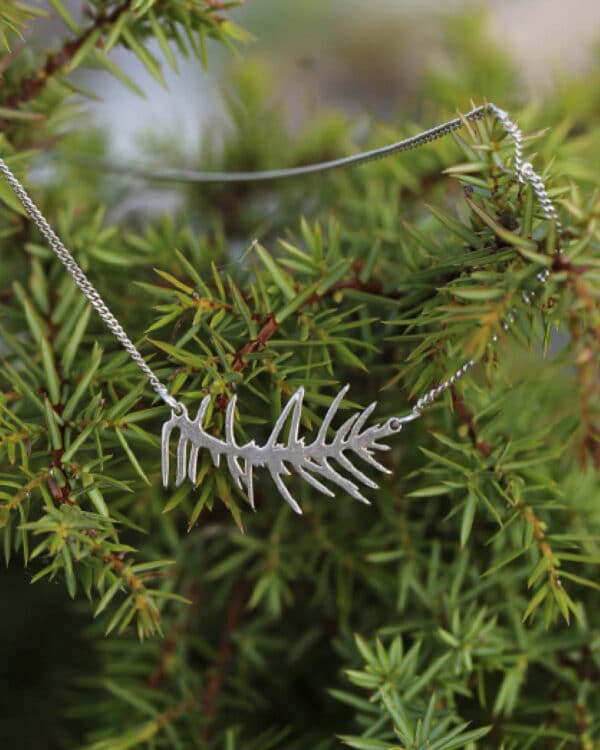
x=86, y=286
x=186, y=175
x=523, y=170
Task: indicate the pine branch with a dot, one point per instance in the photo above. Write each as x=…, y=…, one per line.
x=31, y=85
x=549, y=559
x=271, y=325
x=233, y=617
x=262, y=339
x=178, y=630
x=465, y=416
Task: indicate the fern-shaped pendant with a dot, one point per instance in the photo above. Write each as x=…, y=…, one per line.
x=312, y=462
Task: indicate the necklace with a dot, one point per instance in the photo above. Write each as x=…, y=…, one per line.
x=312, y=462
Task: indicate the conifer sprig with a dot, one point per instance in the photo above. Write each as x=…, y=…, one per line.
x=472, y=577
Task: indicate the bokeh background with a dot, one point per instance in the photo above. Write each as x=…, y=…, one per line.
x=365, y=58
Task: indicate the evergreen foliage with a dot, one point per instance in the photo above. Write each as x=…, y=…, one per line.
x=459, y=610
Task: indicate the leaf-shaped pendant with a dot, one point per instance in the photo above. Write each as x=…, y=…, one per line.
x=312, y=462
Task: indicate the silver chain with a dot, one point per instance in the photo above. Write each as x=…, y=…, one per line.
x=523, y=170
x=187, y=175
x=525, y=173
x=86, y=286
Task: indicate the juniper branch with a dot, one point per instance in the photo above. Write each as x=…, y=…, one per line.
x=33, y=83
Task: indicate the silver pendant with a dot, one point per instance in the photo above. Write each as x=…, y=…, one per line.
x=311, y=462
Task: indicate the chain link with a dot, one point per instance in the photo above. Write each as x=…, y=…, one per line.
x=523, y=170
x=187, y=175
x=86, y=286
x=524, y=173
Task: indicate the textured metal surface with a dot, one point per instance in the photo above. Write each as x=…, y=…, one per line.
x=524, y=171
x=187, y=175
x=313, y=462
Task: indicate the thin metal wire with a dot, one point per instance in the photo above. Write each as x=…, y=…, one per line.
x=86, y=286
x=188, y=175
x=525, y=173
x=523, y=170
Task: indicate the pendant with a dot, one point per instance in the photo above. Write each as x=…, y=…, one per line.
x=312, y=462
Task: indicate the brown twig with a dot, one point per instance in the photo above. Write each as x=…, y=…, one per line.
x=261, y=340
x=587, y=338
x=170, y=642
x=208, y=698
x=233, y=617
x=465, y=416
x=271, y=326
x=527, y=513
x=33, y=83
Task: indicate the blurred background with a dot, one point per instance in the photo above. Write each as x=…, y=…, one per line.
x=363, y=58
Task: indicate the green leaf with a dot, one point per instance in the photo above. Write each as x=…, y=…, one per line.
x=279, y=276
x=115, y=31
x=432, y=491
x=8, y=196
x=539, y=597
x=151, y=565
x=175, y=282
x=120, y=614
x=205, y=495
x=108, y=597
x=579, y=579
x=541, y=260
x=336, y=273
x=52, y=425
x=146, y=58
x=516, y=240
x=25, y=116
x=99, y=502
x=23, y=387
x=299, y=301
x=131, y=455
x=365, y=650
x=541, y=567
x=504, y=561
x=104, y=62
x=162, y=40
x=52, y=381
x=346, y=355
x=129, y=698
x=398, y=716
x=84, y=383
x=483, y=293
x=364, y=743
x=466, y=168
x=84, y=50
x=242, y=308
x=238, y=33
x=425, y=679
x=464, y=739
x=74, y=341
x=69, y=572
x=37, y=325
x=467, y=518
x=456, y=227
x=64, y=14
x=80, y=440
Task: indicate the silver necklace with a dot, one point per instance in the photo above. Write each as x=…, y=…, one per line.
x=310, y=461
